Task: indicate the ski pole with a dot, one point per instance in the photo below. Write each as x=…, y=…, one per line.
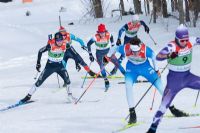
x=36, y=75
x=196, y=99
x=152, y=39
x=58, y=81
x=154, y=94
x=59, y=20
x=89, y=86
x=147, y=91
x=85, y=76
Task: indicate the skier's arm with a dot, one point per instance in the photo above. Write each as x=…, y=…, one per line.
x=125, y=27
x=152, y=55
x=195, y=40
x=77, y=39
x=164, y=53
x=146, y=28
x=42, y=50
x=90, y=42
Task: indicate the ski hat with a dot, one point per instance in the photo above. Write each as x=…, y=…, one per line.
x=101, y=28
x=135, y=44
x=135, y=18
x=181, y=32
x=58, y=36
x=62, y=29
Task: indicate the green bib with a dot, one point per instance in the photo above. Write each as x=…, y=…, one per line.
x=181, y=60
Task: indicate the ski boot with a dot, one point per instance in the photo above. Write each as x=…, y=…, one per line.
x=133, y=117
x=152, y=129
x=107, y=84
x=177, y=112
x=26, y=98
x=70, y=97
x=114, y=71
x=65, y=84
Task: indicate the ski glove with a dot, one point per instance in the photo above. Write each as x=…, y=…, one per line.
x=146, y=28
x=78, y=67
x=38, y=66
x=118, y=43
x=84, y=48
x=91, y=57
x=172, y=55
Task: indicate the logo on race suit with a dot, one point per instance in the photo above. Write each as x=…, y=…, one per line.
x=151, y=71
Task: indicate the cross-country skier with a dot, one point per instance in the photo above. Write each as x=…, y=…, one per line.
x=130, y=29
x=71, y=52
x=138, y=55
x=103, y=41
x=178, y=53
x=56, y=49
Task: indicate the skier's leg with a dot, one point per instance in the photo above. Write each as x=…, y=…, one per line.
x=43, y=76
x=130, y=78
x=166, y=101
x=99, y=56
x=192, y=81
x=80, y=60
x=117, y=64
x=151, y=75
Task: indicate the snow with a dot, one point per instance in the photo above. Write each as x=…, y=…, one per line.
x=20, y=39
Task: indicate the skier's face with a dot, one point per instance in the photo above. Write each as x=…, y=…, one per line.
x=183, y=42
x=59, y=43
x=135, y=22
x=102, y=34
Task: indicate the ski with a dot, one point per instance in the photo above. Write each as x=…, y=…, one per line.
x=138, y=81
x=189, y=115
x=15, y=105
x=83, y=101
x=109, y=77
x=127, y=126
x=189, y=127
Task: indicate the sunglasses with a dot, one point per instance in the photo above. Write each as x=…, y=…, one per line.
x=184, y=40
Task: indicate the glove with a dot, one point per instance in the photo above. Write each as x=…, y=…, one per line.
x=78, y=67
x=91, y=57
x=118, y=43
x=198, y=40
x=146, y=29
x=38, y=66
x=84, y=47
x=172, y=55
x=158, y=72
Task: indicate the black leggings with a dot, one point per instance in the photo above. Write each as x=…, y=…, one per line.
x=51, y=68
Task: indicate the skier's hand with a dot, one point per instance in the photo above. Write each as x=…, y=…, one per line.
x=84, y=48
x=118, y=43
x=91, y=57
x=38, y=66
x=147, y=29
x=158, y=72
x=78, y=67
x=172, y=55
